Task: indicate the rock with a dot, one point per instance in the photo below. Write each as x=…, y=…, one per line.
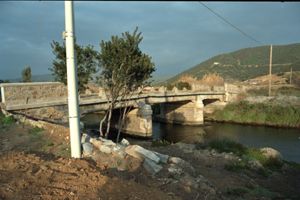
x=271, y=153
x=188, y=180
x=187, y=167
x=176, y=160
x=162, y=157
x=85, y=138
x=255, y=164
x=186, y=148
x=96, y=143
x=105, y=149
x=141, y=153
x=151, y=166
x=87, y=148
x=175, y=170
x=107, y=142
x=125, y=142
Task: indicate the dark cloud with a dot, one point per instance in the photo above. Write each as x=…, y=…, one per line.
x=177, y=35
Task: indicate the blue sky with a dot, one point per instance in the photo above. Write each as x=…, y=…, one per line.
x=178, y=35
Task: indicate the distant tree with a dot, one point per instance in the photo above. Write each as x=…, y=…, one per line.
x=125, y=69
x=26, y=74
x=86, y=62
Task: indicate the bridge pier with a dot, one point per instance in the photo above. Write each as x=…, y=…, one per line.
x=187, y=113
x=138, y=122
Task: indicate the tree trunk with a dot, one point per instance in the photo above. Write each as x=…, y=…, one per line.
x=108, y=121
x=101, y=124
x=121, y=122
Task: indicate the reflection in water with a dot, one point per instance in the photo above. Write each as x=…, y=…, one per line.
x=287, y=141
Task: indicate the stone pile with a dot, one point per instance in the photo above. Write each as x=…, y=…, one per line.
x=98, y=148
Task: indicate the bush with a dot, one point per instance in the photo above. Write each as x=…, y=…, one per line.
x=227, y=146
x=6, y=121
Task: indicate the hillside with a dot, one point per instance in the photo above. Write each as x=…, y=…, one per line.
x=248, y=63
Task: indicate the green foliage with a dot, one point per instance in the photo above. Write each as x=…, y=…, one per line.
x=26, y=74
x=180, y=85
x=239, y=191
x=246, y=155
x=123, y=64
x=225, y=145
x=6, y=121
x=125, y=68
x=86, y=61
x=159, y=143
x=247, y=63
x=257, y=191
x=36, y=132
x=260, y=113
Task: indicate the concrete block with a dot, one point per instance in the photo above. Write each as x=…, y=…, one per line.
x=141, y=153
x=162, y=157
x=85, y=138
x=105, y=149
x=87, y=148
x=151, y=166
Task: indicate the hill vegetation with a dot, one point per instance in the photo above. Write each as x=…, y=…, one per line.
x=247, y=63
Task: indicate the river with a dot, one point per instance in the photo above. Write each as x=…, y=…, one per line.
x=287, y=141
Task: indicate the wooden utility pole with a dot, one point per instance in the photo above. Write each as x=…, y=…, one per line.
x=270, y=71
x=291, y=75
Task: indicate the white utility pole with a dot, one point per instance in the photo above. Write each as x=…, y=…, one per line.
x=270, y=71
x=72, y=82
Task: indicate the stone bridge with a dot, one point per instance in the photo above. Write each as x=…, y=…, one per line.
x=48, y=101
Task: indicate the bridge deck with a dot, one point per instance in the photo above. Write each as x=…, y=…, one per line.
x=150, y=98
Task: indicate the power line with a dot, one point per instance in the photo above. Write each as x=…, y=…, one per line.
x=232, y=25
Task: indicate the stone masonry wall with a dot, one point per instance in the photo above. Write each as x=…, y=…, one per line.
x=27, y=93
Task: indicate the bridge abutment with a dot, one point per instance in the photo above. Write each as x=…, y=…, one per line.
x=187, y=113
x=138, y=122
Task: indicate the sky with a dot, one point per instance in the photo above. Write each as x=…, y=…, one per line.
x=177, y=35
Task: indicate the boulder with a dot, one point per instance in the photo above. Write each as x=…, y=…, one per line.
x=151, y=166
x=141, y=153
x=271, y=153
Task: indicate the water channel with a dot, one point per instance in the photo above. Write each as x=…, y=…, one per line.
x=287, y=141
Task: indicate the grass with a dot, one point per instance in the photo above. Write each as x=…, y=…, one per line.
x=225, y=145
x=36, y=132
x=246, y=155
x=255, y=192
x=6, y=121
x=286, y=91
x=159, y=143
x=260, y=113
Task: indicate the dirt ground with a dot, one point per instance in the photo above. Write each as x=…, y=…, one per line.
x=35, y=164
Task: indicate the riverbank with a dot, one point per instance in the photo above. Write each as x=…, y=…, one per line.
x=259, y=113
x=35, y=164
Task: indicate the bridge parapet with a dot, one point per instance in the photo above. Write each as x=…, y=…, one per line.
x=28, y=93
